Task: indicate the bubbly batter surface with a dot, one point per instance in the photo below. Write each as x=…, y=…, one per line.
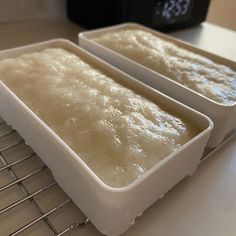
x=118, y=133
x=215, y=81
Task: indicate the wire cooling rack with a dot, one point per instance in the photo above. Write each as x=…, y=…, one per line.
x=31, y=201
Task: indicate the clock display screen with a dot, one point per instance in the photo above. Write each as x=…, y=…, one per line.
x=171, y=11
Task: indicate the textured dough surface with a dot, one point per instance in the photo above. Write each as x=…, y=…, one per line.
x=215, y=81
x=118, y=133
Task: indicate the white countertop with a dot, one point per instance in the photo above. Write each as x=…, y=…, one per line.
x=201, y=205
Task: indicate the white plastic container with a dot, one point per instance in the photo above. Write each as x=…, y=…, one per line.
x=111, y=210
x=223, y=116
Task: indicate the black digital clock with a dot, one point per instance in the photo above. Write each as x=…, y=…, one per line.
x=171, y=11
x=159, y=14
x=172, y=14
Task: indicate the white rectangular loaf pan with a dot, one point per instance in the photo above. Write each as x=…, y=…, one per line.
x=111, y=210
x=224, y=117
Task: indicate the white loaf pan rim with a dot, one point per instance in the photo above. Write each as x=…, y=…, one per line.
x=224, y=124
x=163, y=161
x=121, y=195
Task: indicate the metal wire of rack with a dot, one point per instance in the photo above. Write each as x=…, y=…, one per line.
x=30, y=196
